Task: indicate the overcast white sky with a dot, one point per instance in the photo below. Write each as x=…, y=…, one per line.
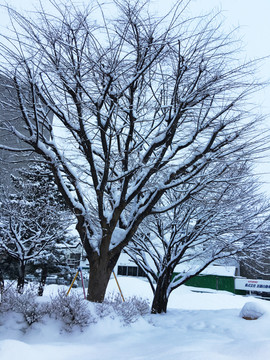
x=251, y=16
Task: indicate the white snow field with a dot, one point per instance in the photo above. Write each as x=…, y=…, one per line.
x=198, y=326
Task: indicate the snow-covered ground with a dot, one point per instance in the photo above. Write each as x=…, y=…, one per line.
x=198, y=326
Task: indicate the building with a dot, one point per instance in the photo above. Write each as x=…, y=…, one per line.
x=10, y=116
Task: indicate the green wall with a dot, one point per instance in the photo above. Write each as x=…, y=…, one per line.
x=214, y=282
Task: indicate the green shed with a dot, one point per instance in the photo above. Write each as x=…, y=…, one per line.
x=214, y=277
x=216, y=282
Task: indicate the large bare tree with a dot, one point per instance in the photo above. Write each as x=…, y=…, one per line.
x=140, y=105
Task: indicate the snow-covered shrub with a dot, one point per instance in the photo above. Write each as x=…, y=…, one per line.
x=7, y=300
x=104, y=309
x=25, y=304
x=142, y=305
x=72, y=310
x=132, y=309
x=128, y=311
x=251, y=311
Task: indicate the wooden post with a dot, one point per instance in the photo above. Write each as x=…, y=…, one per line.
x=73, y=282
x=118, y=286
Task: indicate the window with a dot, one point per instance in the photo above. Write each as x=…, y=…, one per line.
x=132, y=271
x=122, y=270
x=141, y=272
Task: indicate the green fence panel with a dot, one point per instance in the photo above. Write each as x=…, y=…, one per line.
x=214, y=282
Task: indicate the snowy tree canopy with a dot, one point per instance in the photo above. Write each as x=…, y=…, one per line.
x=140, y=105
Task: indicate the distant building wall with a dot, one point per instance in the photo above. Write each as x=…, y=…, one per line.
x=10, y=114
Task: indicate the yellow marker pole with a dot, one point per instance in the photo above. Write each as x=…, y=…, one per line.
x=118, y=286
x=73, y=282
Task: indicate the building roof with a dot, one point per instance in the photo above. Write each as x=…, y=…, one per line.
x=218, y=270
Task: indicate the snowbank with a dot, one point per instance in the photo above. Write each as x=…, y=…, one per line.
x=198, y=326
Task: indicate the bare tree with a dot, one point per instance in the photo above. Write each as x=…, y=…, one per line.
x=22, y=239
x=226, y=220
x=254, y=262
x=33, y=220
x=140, y=105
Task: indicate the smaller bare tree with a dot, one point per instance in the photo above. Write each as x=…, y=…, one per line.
x=225, y=220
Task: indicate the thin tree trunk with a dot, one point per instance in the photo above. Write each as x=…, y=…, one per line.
x=21, y=277
x=160, y=300
x=44, y=273
x=2, y=284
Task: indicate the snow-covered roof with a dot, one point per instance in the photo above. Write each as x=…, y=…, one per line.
x=125, y=260
x=219, y=270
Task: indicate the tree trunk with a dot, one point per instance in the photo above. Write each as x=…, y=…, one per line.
x=160, y=300
x=101, y=268
x=21, y=277
x=2, y=282
x=44, y=273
